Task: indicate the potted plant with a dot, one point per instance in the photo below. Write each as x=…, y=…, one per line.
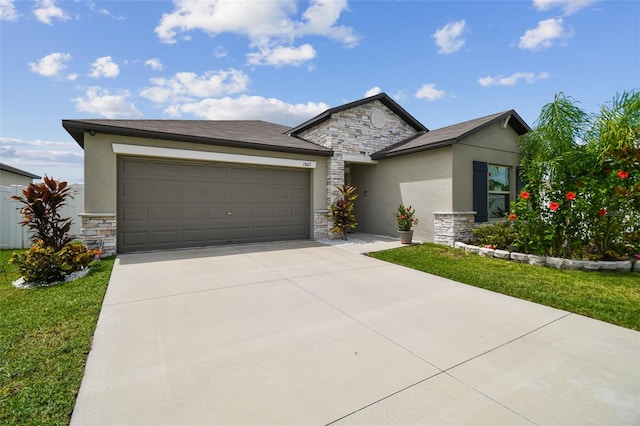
x=405, y=217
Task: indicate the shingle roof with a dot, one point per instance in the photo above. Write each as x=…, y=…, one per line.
x=8, y=168
x=382, y=97
x=451, y=134
x=236, y=133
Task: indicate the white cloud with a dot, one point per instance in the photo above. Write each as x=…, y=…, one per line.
x=72, y=77
x=102, y=10
x=101, y=101
x=8, y=11
x=569, y=7
x=544, y=35
x=269, y=25
x=47, y=10
x=321, y=17
x=249, y=108
x=154, y=64
x=512, y=79
x=430, y=92
x=50, y=65
x=104, y=67
x=280, y=55
x=62, y=160
x=400, y=95
x=449, y=39
x=220, y=52
x=373, y=91
x=185, y=86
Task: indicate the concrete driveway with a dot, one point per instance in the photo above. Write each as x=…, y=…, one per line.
x=306, y=334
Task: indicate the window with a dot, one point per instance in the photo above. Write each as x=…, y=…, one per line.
x=499, y=189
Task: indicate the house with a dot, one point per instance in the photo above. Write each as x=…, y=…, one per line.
x=166, y=184
x=13, y=176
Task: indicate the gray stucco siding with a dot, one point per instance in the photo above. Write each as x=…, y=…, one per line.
x=422, y=180
x=493, y=145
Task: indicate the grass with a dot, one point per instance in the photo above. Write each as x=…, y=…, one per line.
x=610, y=297
x=45, y=336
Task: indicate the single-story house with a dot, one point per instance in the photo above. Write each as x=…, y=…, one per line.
x=12, y=176
x=166, y=184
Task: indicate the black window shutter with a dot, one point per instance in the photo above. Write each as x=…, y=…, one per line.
x=480, y=191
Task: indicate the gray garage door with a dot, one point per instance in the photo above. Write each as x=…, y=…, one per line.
x=166, y=204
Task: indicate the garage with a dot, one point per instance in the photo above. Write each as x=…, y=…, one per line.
x=170, y=204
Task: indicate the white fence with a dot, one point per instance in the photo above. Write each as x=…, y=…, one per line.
x=15, y=236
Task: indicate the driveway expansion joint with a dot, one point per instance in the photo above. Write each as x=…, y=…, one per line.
x=187, y=293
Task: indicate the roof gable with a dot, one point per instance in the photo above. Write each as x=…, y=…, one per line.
x=449, y=135
x=251, y=134
x=382, y=97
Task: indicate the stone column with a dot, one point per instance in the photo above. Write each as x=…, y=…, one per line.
x=335, y=178
x=97, y=229
x=449, y=227
x=321, y=224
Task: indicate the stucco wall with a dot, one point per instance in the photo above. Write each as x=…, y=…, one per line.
x=422, y=180
x=494, y=145
x=101, y=168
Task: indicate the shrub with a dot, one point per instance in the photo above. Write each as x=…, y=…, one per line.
x=43, y=264
x=500, y=235
x=342, y=211
x=582, y=176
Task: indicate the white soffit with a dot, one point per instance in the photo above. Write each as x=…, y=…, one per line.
x=187, y=154
x=361, y=159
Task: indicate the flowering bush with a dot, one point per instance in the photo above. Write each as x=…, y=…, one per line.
x=405, y=217
x=582, y=174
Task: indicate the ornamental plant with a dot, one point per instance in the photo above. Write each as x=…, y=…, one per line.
x=42, y=204
x=342, y=211
x=405, y=217
x=42, y=264
x=582, y=175
x=52, y=256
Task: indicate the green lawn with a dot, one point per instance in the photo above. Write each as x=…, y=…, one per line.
x=610, y=297
x=45, y=336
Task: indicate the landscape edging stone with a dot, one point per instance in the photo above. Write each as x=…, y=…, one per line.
x=552, y=262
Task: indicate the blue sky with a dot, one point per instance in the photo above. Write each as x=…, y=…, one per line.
x=286, y=61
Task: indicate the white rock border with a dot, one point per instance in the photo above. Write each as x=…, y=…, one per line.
x=21, y=283
x=553, y=262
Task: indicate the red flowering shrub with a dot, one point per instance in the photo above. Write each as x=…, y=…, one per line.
x=567, y=208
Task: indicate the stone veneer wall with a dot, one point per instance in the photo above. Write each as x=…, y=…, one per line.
x=320, y=224
x=449, y=227
x=98, y=227
x=351, y=132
